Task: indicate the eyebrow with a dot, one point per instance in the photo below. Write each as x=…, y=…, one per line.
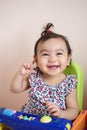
x=44, y=50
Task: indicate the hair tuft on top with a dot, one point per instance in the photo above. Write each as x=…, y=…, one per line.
x=47, y=29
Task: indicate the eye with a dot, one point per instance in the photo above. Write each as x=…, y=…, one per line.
x=59, y=53
x=45, y=54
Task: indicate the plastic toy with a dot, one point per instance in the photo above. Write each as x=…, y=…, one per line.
x=81, y=122
x=22, y=121
x=45, y=119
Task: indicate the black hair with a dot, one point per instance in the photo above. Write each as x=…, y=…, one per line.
x=48, y=34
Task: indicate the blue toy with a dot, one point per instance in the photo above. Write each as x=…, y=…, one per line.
x=22, y=121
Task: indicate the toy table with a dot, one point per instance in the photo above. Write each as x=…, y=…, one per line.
x=22, y=121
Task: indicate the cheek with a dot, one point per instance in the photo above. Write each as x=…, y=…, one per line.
x=40, y=61
x=65, y=62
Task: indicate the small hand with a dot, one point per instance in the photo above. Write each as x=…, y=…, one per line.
x=53, y=109
x=27, y=68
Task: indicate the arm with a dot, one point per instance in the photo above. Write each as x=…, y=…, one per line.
x=20, y=81
x=72, y=110
x=72, y=107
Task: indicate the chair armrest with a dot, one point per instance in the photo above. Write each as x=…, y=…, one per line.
x=81, y=121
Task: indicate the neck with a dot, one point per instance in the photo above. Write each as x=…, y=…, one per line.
x=53, y=80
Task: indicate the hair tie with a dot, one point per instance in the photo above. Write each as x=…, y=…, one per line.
x=49, y=31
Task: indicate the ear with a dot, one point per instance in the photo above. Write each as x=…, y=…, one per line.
x=35, y=59
x=69, y=59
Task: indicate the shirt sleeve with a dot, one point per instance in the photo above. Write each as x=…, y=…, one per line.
x=71, y=83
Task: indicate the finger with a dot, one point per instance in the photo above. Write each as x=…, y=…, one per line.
x=55, y=114
x=52, y=108
x=33, y=71
x=50, y=104
x=26, y=65
x=31, y=66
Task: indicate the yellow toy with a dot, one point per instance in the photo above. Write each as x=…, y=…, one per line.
x=45, y=119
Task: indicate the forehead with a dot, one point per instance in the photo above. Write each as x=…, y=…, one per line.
x=52, y=44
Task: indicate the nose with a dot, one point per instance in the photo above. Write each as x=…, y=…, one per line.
x=52, y=59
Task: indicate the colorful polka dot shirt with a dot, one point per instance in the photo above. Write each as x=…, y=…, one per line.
x=40, y=92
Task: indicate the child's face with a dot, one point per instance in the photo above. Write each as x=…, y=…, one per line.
x=52, y=56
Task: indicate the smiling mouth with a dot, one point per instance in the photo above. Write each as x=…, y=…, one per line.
x=53, y=67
